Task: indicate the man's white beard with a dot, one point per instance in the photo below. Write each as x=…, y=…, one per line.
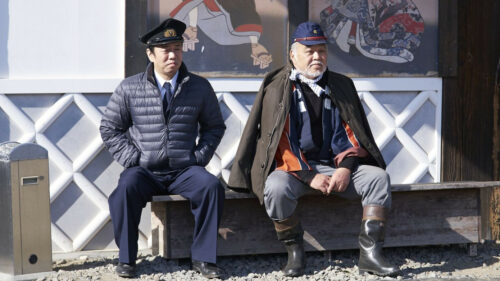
x=312, y=74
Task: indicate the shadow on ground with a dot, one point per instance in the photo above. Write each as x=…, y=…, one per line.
x=443, y=259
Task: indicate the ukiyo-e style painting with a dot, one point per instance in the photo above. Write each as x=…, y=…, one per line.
x=228, y=38
x=379, y=37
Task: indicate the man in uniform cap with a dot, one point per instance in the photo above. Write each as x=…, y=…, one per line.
x=150, y=126
x=307, y=131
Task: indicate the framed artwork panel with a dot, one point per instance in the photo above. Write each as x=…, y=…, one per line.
x=228, y=38
x=380, y=37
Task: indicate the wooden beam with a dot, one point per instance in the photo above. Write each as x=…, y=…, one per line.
x=476, y=85
x=135, y=25
x=496, y=122
x=448, y=14
x=448, y=68
x=298, y=12
x=229, y=194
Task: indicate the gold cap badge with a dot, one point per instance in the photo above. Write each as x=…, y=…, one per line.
x=169, y=33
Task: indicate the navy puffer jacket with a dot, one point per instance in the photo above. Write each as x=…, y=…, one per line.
x=136, y=131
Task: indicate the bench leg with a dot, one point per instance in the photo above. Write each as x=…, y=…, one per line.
x=328, y=255
x=472, y=249
x=158, y=223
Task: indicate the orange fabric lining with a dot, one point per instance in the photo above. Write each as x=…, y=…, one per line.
x=350, y=135
x=285, y=158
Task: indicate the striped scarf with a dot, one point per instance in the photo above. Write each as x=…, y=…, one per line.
x=297, y=137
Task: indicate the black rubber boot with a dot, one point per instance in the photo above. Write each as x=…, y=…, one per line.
x=294, y=244
x=371, y=242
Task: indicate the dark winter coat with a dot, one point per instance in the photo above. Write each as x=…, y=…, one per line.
x=136, y=131
x=265, y=124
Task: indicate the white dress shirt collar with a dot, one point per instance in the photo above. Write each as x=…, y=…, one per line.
x=160, y=81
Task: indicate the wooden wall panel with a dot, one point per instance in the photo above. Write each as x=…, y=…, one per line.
x=468, y=96
x=469, y=34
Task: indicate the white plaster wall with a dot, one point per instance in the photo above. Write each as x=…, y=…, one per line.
x=62, y=39
x=61, y=59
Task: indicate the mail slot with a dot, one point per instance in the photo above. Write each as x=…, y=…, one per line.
x=25, y=242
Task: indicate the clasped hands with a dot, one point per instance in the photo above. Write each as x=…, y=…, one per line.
x=338, y=182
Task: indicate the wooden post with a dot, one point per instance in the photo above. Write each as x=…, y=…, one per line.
x=472, y=250
x=495, y=196
x=494, y=218
x=158, y=224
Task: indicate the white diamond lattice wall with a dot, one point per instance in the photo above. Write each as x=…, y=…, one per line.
x=404, y=113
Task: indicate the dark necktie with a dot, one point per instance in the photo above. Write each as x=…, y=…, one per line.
x=168, y=95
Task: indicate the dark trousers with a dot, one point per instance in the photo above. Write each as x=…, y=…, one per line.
x=137, y=186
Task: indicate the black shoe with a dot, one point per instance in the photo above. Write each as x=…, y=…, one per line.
x=125, y=270
x=208, y=270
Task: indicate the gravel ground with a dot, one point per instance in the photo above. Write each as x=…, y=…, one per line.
x=429, y=263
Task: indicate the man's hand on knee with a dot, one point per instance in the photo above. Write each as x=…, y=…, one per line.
x=339, y=180
x=320, y=182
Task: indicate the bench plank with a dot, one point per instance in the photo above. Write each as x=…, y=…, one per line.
x=424, y=216
x=230, y=194
x=444, y=185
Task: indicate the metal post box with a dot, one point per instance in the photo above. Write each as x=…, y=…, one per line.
x=25, y=242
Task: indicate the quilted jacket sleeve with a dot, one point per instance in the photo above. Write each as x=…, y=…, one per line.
x=212, y=128
x=114, y=129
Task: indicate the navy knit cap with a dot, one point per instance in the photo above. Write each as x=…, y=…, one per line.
x=309, y=33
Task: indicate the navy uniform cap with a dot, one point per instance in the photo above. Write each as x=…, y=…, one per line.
x=309, y=33
x=170, y=30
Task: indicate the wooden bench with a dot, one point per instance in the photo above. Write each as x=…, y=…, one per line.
x=421, y=214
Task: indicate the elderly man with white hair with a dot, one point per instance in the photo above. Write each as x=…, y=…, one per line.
x=307, y=131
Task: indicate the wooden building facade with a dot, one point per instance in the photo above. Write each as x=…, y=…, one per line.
x=444, y=119
x=468, y=63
